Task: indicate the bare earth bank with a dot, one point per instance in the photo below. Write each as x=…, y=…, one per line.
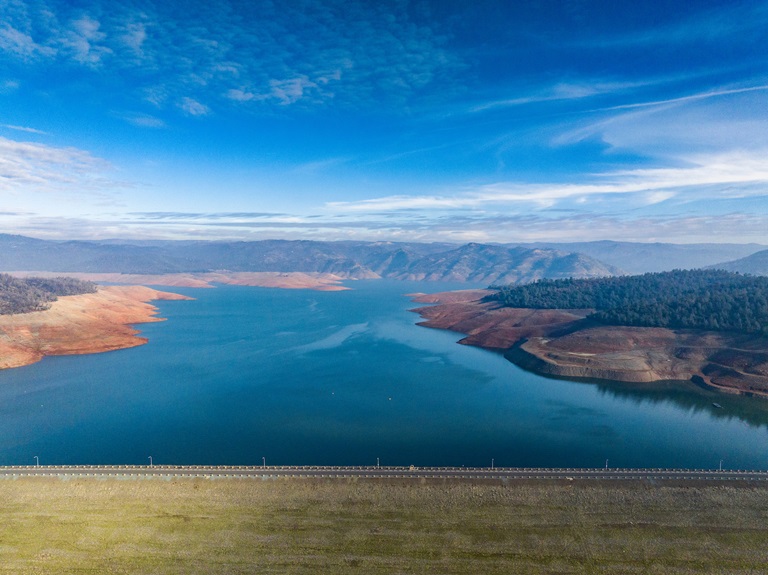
x=94, y=323
x=562, y=343
x=80, y=324
x=284, y=280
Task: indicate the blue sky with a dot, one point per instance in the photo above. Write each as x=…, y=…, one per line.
x=440, y=120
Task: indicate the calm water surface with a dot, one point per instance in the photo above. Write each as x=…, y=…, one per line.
x=304, y=377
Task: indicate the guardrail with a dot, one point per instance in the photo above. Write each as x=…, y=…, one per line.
x=380, y=472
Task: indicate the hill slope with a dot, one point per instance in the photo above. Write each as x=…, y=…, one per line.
x=755, y=264
x=638, y=258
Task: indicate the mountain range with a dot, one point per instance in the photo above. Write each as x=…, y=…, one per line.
x=476, y=263
x=473, y=262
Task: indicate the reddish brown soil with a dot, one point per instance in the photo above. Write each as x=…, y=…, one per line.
x=289, y=280
x=562, y=343
x=89, y=323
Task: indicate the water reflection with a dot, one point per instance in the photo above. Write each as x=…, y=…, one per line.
x=685, y=395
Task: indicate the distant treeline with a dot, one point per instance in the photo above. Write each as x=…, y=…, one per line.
x=23, y=295
x=697, y=299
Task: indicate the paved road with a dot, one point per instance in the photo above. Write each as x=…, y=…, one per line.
x=502, y=473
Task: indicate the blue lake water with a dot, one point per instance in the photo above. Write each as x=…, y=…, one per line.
x=343, y=378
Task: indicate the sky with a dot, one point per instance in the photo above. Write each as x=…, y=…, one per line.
x=388, y=120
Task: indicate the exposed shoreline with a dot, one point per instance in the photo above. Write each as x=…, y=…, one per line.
x=562, y=343
x=282, y=280
x=102, y=321
x=80, y=324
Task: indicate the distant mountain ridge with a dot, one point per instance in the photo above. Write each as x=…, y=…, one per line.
x=477, y=263
x=490, y=264
x=755, y=264
x=638, y=258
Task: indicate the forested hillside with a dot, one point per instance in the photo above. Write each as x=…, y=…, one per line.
x=698, y=299
x=23, y=295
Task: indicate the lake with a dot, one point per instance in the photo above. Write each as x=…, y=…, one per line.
x=300, y=377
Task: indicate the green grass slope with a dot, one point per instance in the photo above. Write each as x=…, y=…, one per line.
x=345, y=526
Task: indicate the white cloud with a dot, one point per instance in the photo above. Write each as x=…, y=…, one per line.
x=134, y=37
x=716, y=176
x=685, y=99
x=144, y=121
x=702, y=123
x=243, y=96
x=8, y=86
x=565, y=91
x=23, y=129
x=84, y=40
x=28, y=166
x=21, y=44
x=193, y=107
x=248, y=52
x=155, y=95
x=292, y=90
x=319, y=165
x=732, y=228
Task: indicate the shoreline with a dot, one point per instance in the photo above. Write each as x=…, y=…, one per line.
x=564, y=344
x=102, y=321
x=80, y=324
x=281, y=280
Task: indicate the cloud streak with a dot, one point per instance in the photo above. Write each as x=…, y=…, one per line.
x=684, y=99
x=24, y=129
x=713, y=176
x=29, y=166
x=458, y=228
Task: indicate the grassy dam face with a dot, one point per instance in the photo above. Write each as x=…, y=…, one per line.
x=195, y=525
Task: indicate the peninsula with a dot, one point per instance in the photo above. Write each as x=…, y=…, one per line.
x=80, y=324
x=580, y=343
x=101, y=320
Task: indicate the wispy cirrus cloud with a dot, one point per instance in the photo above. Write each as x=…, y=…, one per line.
x=207, y=216
x=9, y=86
x=714, y=120
x=685, y=99
x=726, y=175
x=457, y=227
x=574, y=90
x=144, y=120
x=30, y=166
x=22, y=45
x=193, y=107
x=85, y=41
x=24, y=129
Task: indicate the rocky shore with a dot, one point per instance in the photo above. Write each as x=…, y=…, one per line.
x=562, y=343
